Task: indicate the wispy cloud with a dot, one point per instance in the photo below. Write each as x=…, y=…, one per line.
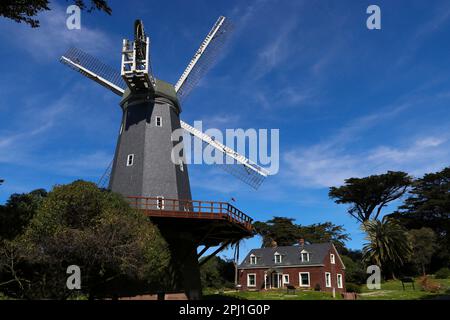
x=52, y=37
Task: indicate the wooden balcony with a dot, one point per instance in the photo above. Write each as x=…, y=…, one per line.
x=193, y=209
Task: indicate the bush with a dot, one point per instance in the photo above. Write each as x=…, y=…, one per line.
x=353, y=287
x=442, y=273
x=317, y=287
x=429, y=285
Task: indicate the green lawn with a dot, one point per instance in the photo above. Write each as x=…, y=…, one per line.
x=393, y=290
x=390, y=290
x=271, y=295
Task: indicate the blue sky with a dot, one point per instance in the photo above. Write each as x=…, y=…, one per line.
x=348, y=101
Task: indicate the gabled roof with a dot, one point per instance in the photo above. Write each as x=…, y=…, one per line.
x=290, y=256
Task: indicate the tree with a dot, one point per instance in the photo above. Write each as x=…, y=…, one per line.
x=18, y=211
x=279, y=229
x=388, y=245
x=325, y=232
x=423, y=244
x=80, y=224
x=26, y=11
x=371, y=194
x=428, y=205
x=286, y=233
x=217, y=273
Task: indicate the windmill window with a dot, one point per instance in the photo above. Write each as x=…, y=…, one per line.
x=327, y=279
x=339, y=281
x=253, y=259
x=251, y=280
x=130, y=160
x=181, y=166
x=304, y=279
x=158, y=121
x=160, y=203
x=305, y=256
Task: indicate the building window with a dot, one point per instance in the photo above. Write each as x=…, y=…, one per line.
x=285, y=279
x=339, y=281
x=160, y=203
x=181, y=165
x=251, y=280
x=327, y=279
x=253, y=259
x=277, y=258
x=158, y=121
x=332, y=259
x=305, y=256
x=130, y=160
x=304, y=279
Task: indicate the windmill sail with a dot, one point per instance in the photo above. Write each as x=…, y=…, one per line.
x=94, y=69
x=204, y=58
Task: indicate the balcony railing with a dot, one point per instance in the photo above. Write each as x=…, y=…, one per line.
x=195, y=209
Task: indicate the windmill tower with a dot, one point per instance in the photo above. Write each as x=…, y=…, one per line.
x=143, y=170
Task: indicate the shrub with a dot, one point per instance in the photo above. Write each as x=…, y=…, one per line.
x=352, y=287
x=317, y=287
x=429, y=285
x=442, y=273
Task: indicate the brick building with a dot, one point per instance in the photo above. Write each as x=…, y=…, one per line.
x=305, y=266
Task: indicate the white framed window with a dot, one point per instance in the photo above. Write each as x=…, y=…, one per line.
x=160, y=202
x=327, y=279
x=277, y=257
x=253, y=259
x=305, y=256
x=285, y=279
x=181, y=165
x=251, y=280
x=130, y=160
x=332, y=259
x=158, y=121
x=304, y=279
x=339, y=281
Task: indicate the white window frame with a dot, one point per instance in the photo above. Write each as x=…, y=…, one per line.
x=248, y=280
x=332, y=258
x=285, y=276
x=181, y=165
x=158, y=205
x=340, y=283
x=251, y=259
x=300, y=280
x=328, y=283
x=130, y=160
x=158, y=119
x=307, y=255
x=276, y=254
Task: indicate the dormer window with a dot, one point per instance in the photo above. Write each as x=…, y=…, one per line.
x=332, y=259
x=277, y=257
x=304, y=256
x=253, y=259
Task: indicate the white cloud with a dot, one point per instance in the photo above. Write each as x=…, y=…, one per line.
x=52, y=38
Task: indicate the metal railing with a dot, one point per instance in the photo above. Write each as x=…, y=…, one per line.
x=196, y=209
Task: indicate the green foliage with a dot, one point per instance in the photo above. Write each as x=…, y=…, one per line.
x=388, y=245
x=286, y=233
x=18, y=211
x=352, y=287
x=354, y=270
x=79, y=224
x=217, y=273
x=428, y=205
x=26, y=11
x=443, y=273
x=368, y=196
x=423, y=244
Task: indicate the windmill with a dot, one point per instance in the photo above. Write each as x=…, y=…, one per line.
x=142, y=169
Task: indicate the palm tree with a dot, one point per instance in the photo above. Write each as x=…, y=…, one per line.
x=388, y=245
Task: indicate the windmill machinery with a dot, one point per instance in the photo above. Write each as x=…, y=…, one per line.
x=143, y=170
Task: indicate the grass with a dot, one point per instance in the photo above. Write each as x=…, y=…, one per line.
x=390, y=290
x=393, y=290
x=271, y=295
